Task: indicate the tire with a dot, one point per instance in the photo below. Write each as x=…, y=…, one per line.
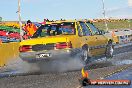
x=109, y=50
x=85, y=56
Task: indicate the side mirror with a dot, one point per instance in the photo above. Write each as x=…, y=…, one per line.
x=80, y=34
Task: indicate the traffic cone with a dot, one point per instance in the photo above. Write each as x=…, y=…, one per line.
x=85, y=78
x=113, y=34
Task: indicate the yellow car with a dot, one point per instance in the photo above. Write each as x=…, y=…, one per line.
x=64, y=39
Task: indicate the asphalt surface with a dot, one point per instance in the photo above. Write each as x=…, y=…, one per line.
x=124, y=75
x=98, y=69
x=56, y=80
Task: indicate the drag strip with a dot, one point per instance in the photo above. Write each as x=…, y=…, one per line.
x=122, y=75
x=57, y=80
x=126, y=75
x=98, y=69
x=97, y=62
x=122, y=48
x=17, y=73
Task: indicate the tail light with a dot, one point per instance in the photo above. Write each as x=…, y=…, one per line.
x=63, y=45
x=25, y=48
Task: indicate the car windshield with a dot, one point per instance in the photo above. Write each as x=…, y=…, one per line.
x=65, y=28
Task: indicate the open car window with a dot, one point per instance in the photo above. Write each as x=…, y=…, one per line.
x=65, y=28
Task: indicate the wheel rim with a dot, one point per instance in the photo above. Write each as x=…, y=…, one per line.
x=111, y=50
x=85, y=55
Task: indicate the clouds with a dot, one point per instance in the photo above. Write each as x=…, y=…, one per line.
x=30, y=1
x=117, y=9
x=27, y=0
x=124, y=12
x=130, y=3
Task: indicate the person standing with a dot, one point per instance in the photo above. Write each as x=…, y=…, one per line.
x=44, y=22
x=30, y=28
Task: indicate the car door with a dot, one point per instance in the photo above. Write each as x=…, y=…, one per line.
x=89, y=40
x=101, y=40
x=76, y=40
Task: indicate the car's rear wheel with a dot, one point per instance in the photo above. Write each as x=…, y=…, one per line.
x=85, y=55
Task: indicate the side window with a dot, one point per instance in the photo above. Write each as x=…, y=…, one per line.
x=93, y=28
x=79, y=30
x=85, y=29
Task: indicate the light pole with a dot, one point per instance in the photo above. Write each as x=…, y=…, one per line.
x=104, y=13
x=129, y=23
x=19, y=16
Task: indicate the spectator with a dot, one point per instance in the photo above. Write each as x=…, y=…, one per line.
x=30, y=28
x=44, y=22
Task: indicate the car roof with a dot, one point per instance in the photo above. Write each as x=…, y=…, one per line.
x=67, y=21
x=61, y=21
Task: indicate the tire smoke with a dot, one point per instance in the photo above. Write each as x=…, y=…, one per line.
x=58, y=65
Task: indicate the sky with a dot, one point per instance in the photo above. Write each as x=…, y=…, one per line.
x=37, y=10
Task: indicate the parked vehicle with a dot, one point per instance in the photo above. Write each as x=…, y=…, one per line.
x=124, y=36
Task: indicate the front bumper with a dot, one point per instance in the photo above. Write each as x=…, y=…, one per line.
x=55, y=54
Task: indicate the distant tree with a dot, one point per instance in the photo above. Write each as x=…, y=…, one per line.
x=0, y=19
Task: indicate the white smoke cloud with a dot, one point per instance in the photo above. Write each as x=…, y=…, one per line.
x=130, y=3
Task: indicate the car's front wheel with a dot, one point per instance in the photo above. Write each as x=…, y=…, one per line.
x=109, y=50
